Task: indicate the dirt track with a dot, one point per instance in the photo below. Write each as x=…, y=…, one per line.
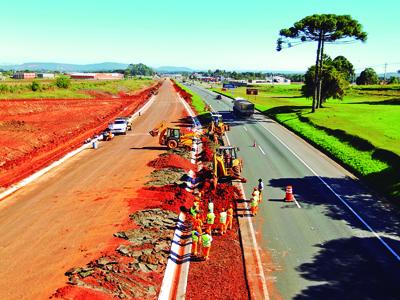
x=68, y=216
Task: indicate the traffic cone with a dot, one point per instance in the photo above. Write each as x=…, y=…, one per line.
x=254, y=144
x=289, y=194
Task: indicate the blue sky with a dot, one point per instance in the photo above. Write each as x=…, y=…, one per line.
x=198, y=34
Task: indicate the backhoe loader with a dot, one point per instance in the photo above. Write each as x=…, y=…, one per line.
x=217, y=126
x=172, y=136
x=227, y=164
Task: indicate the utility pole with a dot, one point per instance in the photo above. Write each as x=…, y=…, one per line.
x=384, y=76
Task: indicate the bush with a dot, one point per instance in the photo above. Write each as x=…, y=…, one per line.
x=35, y=86
x=4, y=88
x=63, y=82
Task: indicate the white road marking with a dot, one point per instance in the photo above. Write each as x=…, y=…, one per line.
x=391, y=250
x=244, y=127
x=297, y=203
x=261, y=150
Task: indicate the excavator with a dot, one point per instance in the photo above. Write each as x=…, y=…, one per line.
x=217, y=126
x=172, y=136
x=227, y=164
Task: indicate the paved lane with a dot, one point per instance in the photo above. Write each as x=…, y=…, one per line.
x=323, y=249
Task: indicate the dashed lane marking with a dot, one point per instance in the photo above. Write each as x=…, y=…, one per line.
x=390, y=249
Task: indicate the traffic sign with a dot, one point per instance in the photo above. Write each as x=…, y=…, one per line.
x=252, y=91
x=228, y=86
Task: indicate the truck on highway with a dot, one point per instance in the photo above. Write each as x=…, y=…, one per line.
x=243, y=108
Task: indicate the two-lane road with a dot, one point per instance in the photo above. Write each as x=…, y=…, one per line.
x=338, y=241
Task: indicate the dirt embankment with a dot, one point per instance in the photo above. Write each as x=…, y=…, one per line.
x=34, y=132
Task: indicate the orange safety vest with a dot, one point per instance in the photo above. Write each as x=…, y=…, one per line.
x=229, y=212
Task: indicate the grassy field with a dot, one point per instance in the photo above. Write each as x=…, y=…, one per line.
x=197, y=103
x=362, y=131
x=21, y=89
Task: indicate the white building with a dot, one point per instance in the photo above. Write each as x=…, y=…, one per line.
x=45, y=75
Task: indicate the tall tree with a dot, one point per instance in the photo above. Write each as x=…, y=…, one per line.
x=139, y=69
x=343, y=65
x=368, y=76
x=333, y=81
x=325, y=28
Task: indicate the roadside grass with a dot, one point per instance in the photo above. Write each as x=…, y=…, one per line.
x=362, y=132
x=197, y=103
x=78, y=88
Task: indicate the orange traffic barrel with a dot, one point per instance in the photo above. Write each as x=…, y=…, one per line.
x=289, y=194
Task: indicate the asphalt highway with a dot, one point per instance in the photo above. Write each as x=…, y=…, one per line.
x=338, y=241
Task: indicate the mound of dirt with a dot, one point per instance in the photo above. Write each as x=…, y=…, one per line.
x=171, y=161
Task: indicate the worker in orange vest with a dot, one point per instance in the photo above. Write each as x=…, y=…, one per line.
x=198, y=224
x=206, y=240
x=222, y=221
x=254, y=205
x=256, y=193
x=229, y=217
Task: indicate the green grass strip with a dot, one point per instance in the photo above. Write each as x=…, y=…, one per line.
x=197, y=103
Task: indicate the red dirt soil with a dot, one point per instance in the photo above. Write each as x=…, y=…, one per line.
x=79, y=293
x=223, y=275
x=171, y=160
x=35, y=132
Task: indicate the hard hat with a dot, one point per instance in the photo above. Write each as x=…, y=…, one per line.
x=235, y=163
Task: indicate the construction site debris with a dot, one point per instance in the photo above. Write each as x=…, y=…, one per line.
x=135, y=269
x=166, y=176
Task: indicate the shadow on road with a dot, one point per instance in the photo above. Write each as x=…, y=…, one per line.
x=383, y=217
x=345, y=274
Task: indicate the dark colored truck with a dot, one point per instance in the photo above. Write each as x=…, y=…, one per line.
x=243, y=108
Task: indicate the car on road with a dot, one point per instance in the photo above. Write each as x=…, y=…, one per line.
x=219, y=97
x=119, y=126
x=128, y=121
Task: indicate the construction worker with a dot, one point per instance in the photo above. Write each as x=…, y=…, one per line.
x=229, y=217
x=206, y=240
x=256, y=193
x=194, y=210
x=198, y=224
x=195, y=242
x=109, y=136
x=260, y=188
x=222, y=221
x=210, y=220
x=254, y=205
x=210, y=205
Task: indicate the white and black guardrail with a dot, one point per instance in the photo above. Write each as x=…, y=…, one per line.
x=177, y=270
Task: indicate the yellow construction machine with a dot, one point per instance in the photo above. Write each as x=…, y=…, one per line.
x=172, y=136
x=227, y=164
x=217, y=126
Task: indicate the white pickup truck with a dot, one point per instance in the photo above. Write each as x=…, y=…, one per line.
x=119, y=126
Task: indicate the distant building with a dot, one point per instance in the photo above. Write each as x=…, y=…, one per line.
x=97, y=76
x=278, y=79
x=23, y=75
x=45, y=75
